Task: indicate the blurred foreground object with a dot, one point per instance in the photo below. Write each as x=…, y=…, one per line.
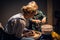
x=32, y=33
x=48, y=33
x=55, y=35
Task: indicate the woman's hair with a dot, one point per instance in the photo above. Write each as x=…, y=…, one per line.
x=31, y=7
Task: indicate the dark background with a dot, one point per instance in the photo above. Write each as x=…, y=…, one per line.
x=56, y=15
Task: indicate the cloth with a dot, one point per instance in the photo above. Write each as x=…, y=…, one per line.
x=27, y=39
x=46, y=37
x=16, y=25
x=38, y=16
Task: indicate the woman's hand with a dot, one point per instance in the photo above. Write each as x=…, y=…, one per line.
x=36, y=21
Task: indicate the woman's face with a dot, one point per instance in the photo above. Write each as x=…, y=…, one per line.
x=30, y=14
